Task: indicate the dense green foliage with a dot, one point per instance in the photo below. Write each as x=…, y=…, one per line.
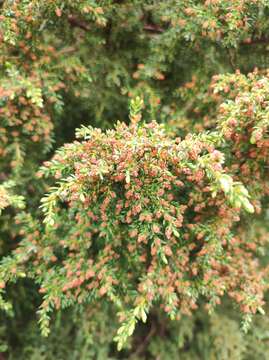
x=134, y=179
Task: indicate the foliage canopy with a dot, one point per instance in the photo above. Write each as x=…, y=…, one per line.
x=112, y=228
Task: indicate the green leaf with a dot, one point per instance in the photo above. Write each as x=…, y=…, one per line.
x=248, y=206
x=226, y=183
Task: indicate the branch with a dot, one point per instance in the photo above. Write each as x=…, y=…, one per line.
x=140, y=349
x=75, y=22
x=153, y=28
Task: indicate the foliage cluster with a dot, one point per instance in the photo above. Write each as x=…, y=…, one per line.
x=159, y=215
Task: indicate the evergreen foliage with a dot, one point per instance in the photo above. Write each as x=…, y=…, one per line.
x=134, y=179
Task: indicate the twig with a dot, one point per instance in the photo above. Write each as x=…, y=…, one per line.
x=74, y=21
x=153, y=28
x=143, y=345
